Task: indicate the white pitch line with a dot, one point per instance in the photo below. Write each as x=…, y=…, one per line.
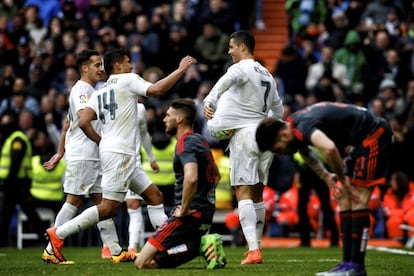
x=391, y=250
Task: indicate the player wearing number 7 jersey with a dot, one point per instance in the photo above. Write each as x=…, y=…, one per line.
x=115, y=105
x=240, y=99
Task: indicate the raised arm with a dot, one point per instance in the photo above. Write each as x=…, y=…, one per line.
x=163, y=85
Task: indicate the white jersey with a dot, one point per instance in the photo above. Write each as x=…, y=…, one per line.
x=115, y=105
x=243, y=96
x=77, y=145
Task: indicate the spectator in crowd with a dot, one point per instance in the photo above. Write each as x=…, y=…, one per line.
x=353, y=57
x=34, y=24
x=19, y=99
x=327, y=76
x=47, y=9
x=188, y=86
x=128, y=11
x=292, y=69
x=339, y=29
x=15, y=177
x=24, y=57
x=397, y=70
x=221, y=13
x=375, y=47
x=211, y=48
x=47, y=185
x=376, y=13
x=27, y=124
x=304, y=17
x=388, y=92
x=178, y=45
x=147, y=40
x=7, y=78
x=398, y=206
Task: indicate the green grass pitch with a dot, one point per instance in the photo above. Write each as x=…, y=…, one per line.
x=276, y=261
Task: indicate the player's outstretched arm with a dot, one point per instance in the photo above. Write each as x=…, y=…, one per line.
x=160, y=87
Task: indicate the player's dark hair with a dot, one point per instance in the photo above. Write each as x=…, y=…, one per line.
x=267, y=132
x=84, y=57
x=187, y=107
x=245, y=37
x=112, y=57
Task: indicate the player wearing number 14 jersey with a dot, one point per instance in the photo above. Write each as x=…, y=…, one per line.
x=115, y=106
x=240, y=99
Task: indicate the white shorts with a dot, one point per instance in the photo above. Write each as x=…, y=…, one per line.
x=82, y=178
x=117, y=169
x=248, y=166
x=131, y=195
x=139, y=181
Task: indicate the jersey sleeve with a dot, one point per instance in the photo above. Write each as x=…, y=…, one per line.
x=233, y=76
x=189, y=151
x=79, y=98
x=138, y=85
x=93, y=102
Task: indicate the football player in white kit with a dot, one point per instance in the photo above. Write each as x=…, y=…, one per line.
x=83, y=172
x=115, y=105
x=239, y=100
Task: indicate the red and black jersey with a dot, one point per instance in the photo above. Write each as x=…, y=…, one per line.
x=194, y=148
x=345, y=124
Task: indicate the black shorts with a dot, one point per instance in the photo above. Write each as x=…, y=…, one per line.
x=368, y=164
x=177, y=241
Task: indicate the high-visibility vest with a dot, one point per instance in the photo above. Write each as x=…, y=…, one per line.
x=25, y=170
x=164, y=158
x=224, y=196
x=47, y=185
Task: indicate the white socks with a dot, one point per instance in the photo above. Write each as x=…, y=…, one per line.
x=86, y=219
x=248, y=220
x=66, y=213
x=156, y=215
x=135, y=228
x=260, y=216
x=109, y=236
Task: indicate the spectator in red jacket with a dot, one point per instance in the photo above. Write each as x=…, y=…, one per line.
x=399, y=205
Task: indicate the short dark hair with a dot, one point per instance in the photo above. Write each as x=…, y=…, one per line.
x=186, y=106
x=267, y=132
x=84, y=57
x=113, y=56
x=245, y=37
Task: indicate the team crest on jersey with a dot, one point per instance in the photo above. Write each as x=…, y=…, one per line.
x=83, y=98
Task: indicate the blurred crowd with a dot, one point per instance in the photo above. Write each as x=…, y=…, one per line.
x=353, y=51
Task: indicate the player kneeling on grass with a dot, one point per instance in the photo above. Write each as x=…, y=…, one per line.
x=178, y=240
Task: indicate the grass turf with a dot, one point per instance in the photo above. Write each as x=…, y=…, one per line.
x=276, y=261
